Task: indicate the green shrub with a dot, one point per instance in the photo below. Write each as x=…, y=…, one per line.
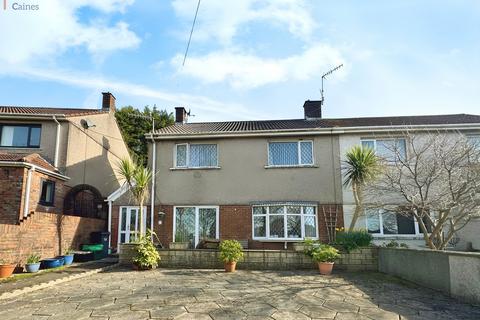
x=230, y=251
x=33, y=258
x=395, y=244
x=325, y=253
x=353, y=239
x=147, y=255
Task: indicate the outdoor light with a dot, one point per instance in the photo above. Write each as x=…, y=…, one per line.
x=161, y=217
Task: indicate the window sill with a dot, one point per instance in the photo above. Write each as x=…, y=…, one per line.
x=291, y=167
x=281, y=239
x=195, y=168
x=398, y=237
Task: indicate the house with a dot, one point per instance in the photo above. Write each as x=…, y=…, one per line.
x=57, y=166
x=266, y=183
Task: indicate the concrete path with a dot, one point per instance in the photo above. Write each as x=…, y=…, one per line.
x=43, y=279
x=211, y=294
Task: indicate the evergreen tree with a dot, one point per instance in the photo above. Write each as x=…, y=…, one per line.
x=134, y=124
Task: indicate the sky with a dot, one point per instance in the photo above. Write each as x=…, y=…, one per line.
x=248, y=59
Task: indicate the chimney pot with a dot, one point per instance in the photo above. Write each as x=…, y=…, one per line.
x=312, y=109
x=181, y=115
x=108, y=102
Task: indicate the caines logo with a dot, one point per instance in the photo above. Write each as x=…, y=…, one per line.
x=20, y=6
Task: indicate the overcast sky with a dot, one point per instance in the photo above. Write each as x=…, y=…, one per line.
x=249, y=59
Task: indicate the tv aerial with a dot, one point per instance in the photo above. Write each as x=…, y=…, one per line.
x=324, y=76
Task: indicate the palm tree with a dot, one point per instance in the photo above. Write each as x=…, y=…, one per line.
x=360, y=167
x=138, y=179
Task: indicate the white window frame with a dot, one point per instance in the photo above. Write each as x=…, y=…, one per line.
x=473, y=136
x=374, y=140
x=187, y=165
x=381, y=234
x=299, y=154
x=197, y=221
x=285, y=214
x=137, y=227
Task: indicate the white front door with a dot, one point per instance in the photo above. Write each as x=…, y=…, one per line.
x=129, y=224
x=193, y=224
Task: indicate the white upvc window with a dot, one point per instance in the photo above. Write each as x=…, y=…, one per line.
x=189, y=155
x=290, y=153
x=387, y=148
x=193, y=224
x=380, y=222
x=284, y=222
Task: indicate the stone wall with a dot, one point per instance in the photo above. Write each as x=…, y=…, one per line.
x=364, y=259
x=452, y=272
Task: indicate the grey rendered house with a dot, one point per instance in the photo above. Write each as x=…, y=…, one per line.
x=266, y=183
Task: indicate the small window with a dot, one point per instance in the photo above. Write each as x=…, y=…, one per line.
x=20, y=136
x=196, y=155
x=295, y=153
x=48, y=193
x=474, y=140
x=388, y=149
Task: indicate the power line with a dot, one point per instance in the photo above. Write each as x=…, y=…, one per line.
x=191, y=32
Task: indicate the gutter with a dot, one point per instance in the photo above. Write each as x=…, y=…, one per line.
x=316, y=131
x=57, y=141
x=37, y=116
x=34, y=168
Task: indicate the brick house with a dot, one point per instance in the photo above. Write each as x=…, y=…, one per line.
x=57, y=166
x=268, y=183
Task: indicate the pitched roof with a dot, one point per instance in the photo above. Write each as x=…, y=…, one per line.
x=301, y=124
x=32, y=158
x=68, y=112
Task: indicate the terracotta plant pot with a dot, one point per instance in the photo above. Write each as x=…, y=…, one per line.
x=325, y=267
x=230, y=266
x=6, y=270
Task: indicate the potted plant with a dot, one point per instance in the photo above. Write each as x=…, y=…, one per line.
x=147, y=256
x=325, y=256
x=68, y=257
x=33, y=263
x=230, y=252
x=6, y=269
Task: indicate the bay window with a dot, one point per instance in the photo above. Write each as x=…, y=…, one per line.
x=196, y=155
x=291, y=153
x=284, y=222
x=20, y=136
x=388, y=149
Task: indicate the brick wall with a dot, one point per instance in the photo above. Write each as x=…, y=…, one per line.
x=45, y=231
x=235, y=223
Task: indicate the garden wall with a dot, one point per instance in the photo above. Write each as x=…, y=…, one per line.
x=454, y=273
x=364, y=259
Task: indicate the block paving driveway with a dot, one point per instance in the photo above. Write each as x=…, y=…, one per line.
x=212, y=294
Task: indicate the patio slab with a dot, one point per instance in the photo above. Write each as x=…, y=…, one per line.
x=121, y=293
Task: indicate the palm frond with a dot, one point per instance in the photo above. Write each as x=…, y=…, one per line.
x=361, y=166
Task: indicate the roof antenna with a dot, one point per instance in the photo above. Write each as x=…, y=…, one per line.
x=327, y=74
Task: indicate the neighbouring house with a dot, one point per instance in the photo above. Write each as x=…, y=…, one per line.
x=57, y=167
x=267, y=183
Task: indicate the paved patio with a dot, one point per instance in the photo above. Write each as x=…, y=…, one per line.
x=210, y=294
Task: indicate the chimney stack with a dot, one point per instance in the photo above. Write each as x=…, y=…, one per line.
x=313, y=109
x=181, y=115
x=108, y=102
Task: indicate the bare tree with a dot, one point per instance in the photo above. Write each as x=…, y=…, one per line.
x=437, y=182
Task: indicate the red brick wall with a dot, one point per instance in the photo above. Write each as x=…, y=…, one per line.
x=235, y=223
x=11, y=184
x=40, y=234
x=46, y=231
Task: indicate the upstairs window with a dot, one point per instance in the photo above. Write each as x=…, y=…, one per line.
x=20, y=136
x=196, y=155
x=48, y=193
x=474, y=140
x=388, y=149
x=295, y=153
